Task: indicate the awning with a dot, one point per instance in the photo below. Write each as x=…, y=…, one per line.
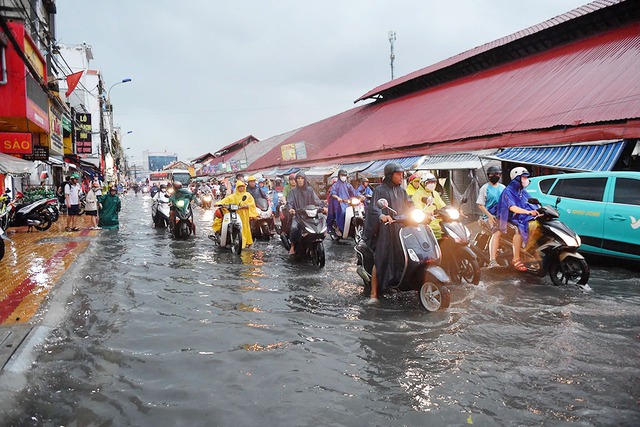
x=594, y=156
x=355, y=167
x=377, y=168
x=10, y=165
x=321, y=170
x=451, y=162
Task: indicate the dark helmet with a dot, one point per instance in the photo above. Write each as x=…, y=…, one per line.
x=163, y=186
x=342, y=172
x=392, y=167
x=494, y=170
x=301, y=175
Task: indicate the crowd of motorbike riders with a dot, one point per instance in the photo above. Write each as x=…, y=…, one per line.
x=406, y=239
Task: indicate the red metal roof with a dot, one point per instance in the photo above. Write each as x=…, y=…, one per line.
x=581, y=11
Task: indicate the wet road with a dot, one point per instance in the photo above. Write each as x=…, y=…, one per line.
x=146, y=330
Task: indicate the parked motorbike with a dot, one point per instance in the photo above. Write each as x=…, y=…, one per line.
x=230, y=235
x=353, y=221
x=555, y=251
x=160, y=210
x=263, y=226
x=183, y=224
x=459, y=261
x=4, y=215
x=422, y=256
x=312, y=224
x=53, y=210
x=30, y=214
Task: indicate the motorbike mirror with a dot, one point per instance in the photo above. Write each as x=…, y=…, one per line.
x=533, y=201
x=463, y=201
x=382, y=203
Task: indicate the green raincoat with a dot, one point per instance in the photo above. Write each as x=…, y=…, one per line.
x=108, y=212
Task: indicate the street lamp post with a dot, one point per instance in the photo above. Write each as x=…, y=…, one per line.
x=109, y=109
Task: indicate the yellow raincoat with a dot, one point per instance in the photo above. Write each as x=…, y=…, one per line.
x=438, y=203
x=245, y=214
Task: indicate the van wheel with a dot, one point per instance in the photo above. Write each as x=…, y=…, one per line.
x=569, y=271
x=434, y=296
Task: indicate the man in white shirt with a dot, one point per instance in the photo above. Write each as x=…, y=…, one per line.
x=72, y=200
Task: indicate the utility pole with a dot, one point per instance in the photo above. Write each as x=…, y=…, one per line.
x=103, y=131
x=392, y=38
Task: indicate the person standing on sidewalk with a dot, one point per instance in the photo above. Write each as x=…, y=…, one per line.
x=91, y=207
x=111, y=206
x=72, y=201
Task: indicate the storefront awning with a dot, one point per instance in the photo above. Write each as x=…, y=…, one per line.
x=10, y=165
x=451, y=162
x=355, y=167
x=595, y=156
x=319, y=171
x=377, y=168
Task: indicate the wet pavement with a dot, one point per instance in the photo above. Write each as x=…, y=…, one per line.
x=143, y=329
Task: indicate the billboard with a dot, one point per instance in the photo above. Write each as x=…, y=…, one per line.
x=157, y=162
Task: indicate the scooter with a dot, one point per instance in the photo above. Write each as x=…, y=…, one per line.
x=312, y=224
x=183, y=225
x=353, y=221
x=554, y=252
x=160, y=210
x=263, y=226
x=3, y=236
x=32, y=214
x=230, y=235
x=459, y=261
x=422, y=255
x=206, y=199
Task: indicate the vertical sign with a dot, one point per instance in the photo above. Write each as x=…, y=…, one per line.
x=83, y=133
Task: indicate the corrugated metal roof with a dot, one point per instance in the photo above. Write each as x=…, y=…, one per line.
x=377, y=167
x=560, y=19
x=321, y=170
x=583, y=157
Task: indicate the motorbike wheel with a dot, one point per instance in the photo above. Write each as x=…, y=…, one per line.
x=319, y=258
x=45, y=222
x=469, y=269
x=236, y=242
x=434, y=296
x=265, y=232
x=285, y=241
x=357, y=235
x=569, y=271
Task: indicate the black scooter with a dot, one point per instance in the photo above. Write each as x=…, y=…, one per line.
x=421, y=258
x=312, y=224
x=33, y=214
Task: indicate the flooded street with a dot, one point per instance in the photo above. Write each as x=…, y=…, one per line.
x=163, y=332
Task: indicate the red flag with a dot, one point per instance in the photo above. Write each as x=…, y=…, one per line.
x=72, y=82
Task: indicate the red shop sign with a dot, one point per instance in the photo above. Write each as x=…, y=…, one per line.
x=15, y=143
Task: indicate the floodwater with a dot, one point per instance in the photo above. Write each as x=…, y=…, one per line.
x=172, y=333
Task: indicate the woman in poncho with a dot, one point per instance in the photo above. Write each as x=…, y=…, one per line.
x=109, y=208
x=247, y=210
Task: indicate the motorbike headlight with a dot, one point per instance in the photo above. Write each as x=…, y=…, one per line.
x=418, y=215
x=567, y=239
x=234, y=207
x=180, y=204
x=453, y=213
x=355, y=201
x=311, y=213
x=207, y=198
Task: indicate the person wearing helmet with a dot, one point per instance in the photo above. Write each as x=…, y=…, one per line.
x=255, y=191
x=515, y=209
x=365, y=191
x=300, y=196
x=487, y=202
x=341, y=191
x=247, y=210
x=72, y=192
x=290, y=185
x=384, y=240
x=413, y=184
x=429, y=200
x=180, y=193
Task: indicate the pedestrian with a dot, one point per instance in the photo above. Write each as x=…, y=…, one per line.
x=91, y=206
x=111, y=205
x=72, y=193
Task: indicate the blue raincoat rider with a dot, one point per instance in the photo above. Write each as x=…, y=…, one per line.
x=340, y=191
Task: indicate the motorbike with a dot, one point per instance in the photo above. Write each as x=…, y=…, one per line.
x=53, y=210
x=353, y=221
x=183, y=221
x=422, y=256
x=30, y=214
x=4, y=223
x=459, y=260
x=312, y=224
x=263, y=226
x=555, y=251
x=206, y=199
x=160, y=210
x=230, y=235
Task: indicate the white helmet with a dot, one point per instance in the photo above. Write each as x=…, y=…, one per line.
x=518, y=171
x=426, y=177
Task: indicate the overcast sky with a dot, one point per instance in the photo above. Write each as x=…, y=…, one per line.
x=206, y=73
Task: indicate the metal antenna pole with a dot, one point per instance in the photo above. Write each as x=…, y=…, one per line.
x=392, y=38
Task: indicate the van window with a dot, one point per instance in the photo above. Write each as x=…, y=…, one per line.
x=627, y=191
x=545, y=184
x=580, y=188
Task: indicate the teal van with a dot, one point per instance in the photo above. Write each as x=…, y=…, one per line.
x=602, y=207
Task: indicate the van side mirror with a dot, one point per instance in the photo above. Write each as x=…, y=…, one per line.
x=558, y=200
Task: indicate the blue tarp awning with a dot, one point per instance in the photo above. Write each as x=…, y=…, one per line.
x=353, y=167
x=377, y=168
x=595, y=157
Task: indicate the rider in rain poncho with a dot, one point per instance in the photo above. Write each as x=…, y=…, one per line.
x=247, y=210
x=341, y=191
x=427, y=189
x=109, y=208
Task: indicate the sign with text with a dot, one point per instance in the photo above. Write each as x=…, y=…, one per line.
x=15, y=143
x=288, y=152
x=40, y=152
x=83, y=133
